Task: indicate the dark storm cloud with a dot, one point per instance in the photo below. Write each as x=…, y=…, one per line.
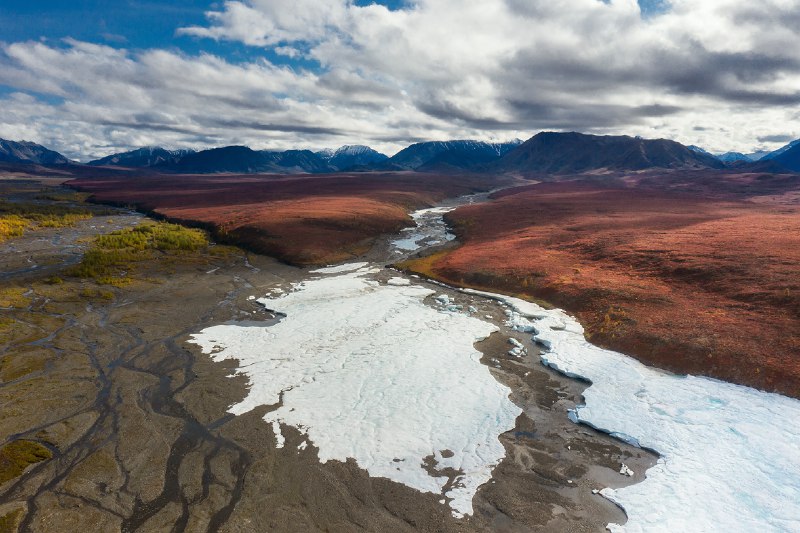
x=449, y=111
x=776, y=138
x=402, y=139
x=654, y=110
x=720, y=75
x=693, y=70
x=258, y=126
x=586, y=117
x=146, y=126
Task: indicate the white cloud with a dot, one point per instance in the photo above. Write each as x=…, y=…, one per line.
x=269, y=22
x=718, y=73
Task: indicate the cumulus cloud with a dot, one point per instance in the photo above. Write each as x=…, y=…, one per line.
x=718, y=73
x=270, y=22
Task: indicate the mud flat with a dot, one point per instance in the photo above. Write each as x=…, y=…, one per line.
x=136, y=425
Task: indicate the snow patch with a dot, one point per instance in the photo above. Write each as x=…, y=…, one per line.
x=367, y=370
x=338, y=269
x=730, y=455
x=280, y=441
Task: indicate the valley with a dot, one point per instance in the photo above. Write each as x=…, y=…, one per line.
x=302, y=220
x=215, y=366
x=144, y=439
x=400, y=266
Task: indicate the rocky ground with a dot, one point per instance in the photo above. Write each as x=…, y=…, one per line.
x=112, y=422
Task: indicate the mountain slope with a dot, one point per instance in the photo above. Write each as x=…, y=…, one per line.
x=757, y=156
x=149, y=156
x=28, y=152
x=352, y=156
x=699, y=150
x=733, y=157
x=563, y=153
x=440, y=155
x=243, y=160
x=789, y=158
x=780, y=151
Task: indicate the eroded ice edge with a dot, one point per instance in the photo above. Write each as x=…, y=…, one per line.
x=368, y=371
x=730, y=455
x=430, y=230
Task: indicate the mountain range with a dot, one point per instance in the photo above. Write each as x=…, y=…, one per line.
x=444, y=155
x=544, y=153
x=350, y=157
x=28, y=152
x=787, y=157
x=149, y=156
x=735, y=157
x=243, y=160
x=562, y=153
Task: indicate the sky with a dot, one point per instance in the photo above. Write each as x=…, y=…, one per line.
x=92, y=77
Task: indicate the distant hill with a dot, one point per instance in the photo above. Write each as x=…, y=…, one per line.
x=149, y=156
x=734, y=157
x=564, y=153
x=243, y=160
x=354, y=156
x=789, y=157
x=441, y=155
x=28, y=152
x=756, y=156
x=780, y=151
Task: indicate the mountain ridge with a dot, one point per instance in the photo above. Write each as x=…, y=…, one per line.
x=352, y=156
x=29, y=152
x=462, y=154
x=244, y=160
x=788, y=158
x=147, y=156
x=543, y=153
x=573, y=152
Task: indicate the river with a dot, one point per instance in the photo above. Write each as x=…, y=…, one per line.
x=377, y=366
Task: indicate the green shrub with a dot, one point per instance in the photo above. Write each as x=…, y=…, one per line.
x=12, y=226
x=16, y=456
x=111, y=256
x=15, y=217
